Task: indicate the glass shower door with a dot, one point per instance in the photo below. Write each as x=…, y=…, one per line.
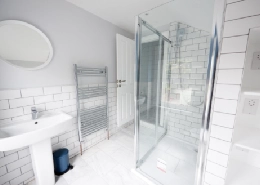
x=151, y=123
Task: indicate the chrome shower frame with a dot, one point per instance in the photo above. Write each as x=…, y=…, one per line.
x=162, y=38
x=205, y=125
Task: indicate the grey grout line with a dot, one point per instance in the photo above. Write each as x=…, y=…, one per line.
x=217, y=163
x=214, y=175
x=242, y=18
x=235, y=2
x=234, y=36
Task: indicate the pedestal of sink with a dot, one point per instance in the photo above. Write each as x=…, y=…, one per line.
x=42, y=162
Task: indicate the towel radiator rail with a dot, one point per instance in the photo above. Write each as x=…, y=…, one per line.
x=92, y=119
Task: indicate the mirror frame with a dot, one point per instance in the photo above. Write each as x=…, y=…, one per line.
x=16, y=22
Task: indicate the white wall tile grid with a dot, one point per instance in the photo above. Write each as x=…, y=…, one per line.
x=15, y=166
x=237, y=24
x=188, y=78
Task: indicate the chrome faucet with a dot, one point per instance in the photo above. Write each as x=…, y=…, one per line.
x=34, y=113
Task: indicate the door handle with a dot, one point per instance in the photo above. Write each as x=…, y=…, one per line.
x=123, y=80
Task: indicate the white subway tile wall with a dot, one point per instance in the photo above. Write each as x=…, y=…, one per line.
x=234, y=44
x=10, y=94
x=238, y=11
x=15, y=165
x=227, y=91
x=232, y=61
x=31, y=92
x=230, y=76
x=240, y=17
x=187, y=82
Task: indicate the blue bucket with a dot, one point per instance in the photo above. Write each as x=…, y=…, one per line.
x=61, y=161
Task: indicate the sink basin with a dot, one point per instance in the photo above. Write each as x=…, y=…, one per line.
x=37, y=135
x=18, y=134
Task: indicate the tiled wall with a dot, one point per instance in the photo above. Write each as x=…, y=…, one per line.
x=187, y=81
x=15, y=166
x=240, y=17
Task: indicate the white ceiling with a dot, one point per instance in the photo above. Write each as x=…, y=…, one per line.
x=119, y=12
x=197, y=13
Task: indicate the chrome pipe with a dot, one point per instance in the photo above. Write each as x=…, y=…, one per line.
x=92, y=118
x=92, y=90
x=93, y=109
x=138, y=42
x=83, y=68
x=158, y=92
x=88, y=96
x=155, y=31
x=78, y=103
x=93, y=114
x=107, y=101
x=93, y=126
x=96, y=75
x=98, y=87
x=204, y=133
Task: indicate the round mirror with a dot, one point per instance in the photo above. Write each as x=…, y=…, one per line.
x=24, y=46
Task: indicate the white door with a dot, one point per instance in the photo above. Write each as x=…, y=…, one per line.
x=125, y=79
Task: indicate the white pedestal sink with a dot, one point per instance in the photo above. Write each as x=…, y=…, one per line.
x=37, y=134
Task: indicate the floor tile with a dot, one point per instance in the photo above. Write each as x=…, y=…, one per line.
x=185, y=170
x=164, y=144
x=78, y=172
x=171, y=161
x=101, y=162
x=124, y=140
x=165, y=178
x=122, y=176
x=108, y=146
x=61, y=181
x=77, y=161
x=92, y=180
x=183, y=151
x=91, y=151
x=124, y=157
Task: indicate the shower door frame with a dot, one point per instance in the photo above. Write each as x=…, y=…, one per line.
x=210, y=82
x=158, y=94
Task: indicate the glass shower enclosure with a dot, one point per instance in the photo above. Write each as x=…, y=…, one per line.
x=175, y=70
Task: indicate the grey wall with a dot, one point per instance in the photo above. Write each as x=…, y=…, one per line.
x=77, y=36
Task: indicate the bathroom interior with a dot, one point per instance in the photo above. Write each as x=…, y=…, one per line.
x=129, y=92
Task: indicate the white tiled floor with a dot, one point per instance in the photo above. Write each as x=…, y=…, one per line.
x=110, y=163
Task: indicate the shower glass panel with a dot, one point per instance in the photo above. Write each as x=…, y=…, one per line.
x=152, y=124
x=173, y=44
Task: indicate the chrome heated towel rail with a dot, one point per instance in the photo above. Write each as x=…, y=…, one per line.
x=93, y=119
